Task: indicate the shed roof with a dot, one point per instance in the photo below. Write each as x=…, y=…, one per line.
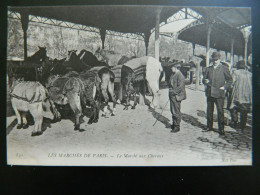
x=228, y=22
x=126, y=19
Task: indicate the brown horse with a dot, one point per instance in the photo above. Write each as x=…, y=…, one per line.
x=92, y=94
x=106, y=89
x=129, y=85
x=68, y=89
x=147, y=70
x=33, y=97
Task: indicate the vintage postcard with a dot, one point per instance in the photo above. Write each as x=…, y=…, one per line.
x=129, y=86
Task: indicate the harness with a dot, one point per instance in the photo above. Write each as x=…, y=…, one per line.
x=25, y=99
x=65, y=91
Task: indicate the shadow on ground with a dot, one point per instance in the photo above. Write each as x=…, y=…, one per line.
x=160, y=118
x=193, y=121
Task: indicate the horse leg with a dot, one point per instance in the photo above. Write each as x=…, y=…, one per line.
x=127, y=101
x=74, y=102
x=18, y=116
x=105, y=95
x=155, y=92
x=25, y=123
x=55, y=112
x=97, y=113
x=92, y=117
x=135, y=101
x=112, y=94
x=37, y=112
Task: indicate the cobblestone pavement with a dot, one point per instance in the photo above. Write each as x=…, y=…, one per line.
x=135, y=132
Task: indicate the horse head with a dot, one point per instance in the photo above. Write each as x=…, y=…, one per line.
x=39, y=56
x=71, y=54
x=98, y=51
x=42, y=53
x=99, y=55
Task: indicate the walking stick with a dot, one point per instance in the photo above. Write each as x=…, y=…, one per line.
x=162, y=111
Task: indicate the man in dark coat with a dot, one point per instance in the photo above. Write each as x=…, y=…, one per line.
x=217, y=79
x=177, y=93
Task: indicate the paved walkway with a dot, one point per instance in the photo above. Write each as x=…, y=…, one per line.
x=132, y=132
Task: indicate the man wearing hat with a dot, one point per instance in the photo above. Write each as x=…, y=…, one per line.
x=217, y=79
x=177, y=93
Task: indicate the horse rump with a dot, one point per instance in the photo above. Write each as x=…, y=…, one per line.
x=32, y=97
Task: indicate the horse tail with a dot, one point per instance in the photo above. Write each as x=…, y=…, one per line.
x=43, y=94
x=83, y=100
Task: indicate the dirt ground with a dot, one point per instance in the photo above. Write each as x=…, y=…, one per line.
x=132, y=138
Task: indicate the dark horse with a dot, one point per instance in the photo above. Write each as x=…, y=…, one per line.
x=90, y=60
x=28, y=70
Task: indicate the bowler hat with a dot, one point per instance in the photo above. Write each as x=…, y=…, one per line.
x=215, y=56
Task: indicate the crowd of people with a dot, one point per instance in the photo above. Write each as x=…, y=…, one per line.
x=221, y=84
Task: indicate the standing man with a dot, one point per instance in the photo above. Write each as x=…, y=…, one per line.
x=241, y=98
x=217, y=79
x=177, y=93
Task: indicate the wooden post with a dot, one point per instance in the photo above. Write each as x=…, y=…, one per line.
x=186, y=13
x=102, y=32
x=232, y=53
x=193, y=48
x=157, y=33
x=25, y=22
x=246, y=32
x=146, y=41
x=209, y=29
x=197, y=76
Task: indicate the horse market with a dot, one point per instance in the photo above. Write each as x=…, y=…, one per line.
x=75, y=98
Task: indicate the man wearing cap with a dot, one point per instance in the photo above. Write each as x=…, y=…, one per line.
x=177, y=93
x=217, y=79
x=241, y=98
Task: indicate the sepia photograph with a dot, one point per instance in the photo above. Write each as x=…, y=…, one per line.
x=129, y=86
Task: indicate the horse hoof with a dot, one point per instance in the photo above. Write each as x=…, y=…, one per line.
x=133, y=107
x=76, y=127
x=55, y=120
x=113, y=114
x=81, y=130
x=37, y=133
x=19, y=126
x=90, y=122
x=25, y=126
x=95, y=120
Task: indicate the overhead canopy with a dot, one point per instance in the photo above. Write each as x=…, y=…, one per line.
x=220, y=38
x=126, y=19
x=234, y=17
x=141, y=19
x=227, y=23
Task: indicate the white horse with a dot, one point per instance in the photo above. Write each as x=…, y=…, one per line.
x=30, y=96
x=152, y=70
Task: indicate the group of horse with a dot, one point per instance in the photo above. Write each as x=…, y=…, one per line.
x=80, y=80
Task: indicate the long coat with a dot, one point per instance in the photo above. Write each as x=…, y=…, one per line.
x=218, y=77
x=177, y=86
x=242, y=88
